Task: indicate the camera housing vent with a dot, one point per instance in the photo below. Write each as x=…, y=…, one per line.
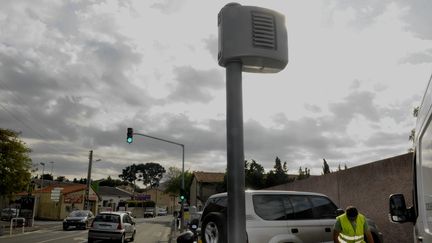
x=263, y=30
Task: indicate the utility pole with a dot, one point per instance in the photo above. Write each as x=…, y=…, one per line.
x=52, y=166
x=87, y=193
x=43, y=171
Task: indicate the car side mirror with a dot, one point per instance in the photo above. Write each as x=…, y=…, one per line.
x=339, y=211
x=398, y=210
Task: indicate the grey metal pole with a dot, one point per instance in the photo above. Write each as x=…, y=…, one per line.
x=235, y=154
x=43, y=171
x=183, y=188
x=87, y=193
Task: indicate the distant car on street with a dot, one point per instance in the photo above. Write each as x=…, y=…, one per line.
x=149, y=212
x=9, y=213
x=78, y=219
x=162, y=212
x=117, y=226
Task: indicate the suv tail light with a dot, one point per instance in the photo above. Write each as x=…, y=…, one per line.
x=119, y=226
x=91, y=226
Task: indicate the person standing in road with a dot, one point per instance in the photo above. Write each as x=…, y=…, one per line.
x=351, y=227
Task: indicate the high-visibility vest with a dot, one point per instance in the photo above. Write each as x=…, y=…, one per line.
x=349, y=234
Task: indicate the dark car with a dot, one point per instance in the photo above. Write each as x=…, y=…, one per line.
x=9, y=213
x=78, y=219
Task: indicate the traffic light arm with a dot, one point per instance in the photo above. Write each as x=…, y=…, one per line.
x=183, y=182
x=135, y=133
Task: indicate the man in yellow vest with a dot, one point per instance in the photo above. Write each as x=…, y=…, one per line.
x=351, y=227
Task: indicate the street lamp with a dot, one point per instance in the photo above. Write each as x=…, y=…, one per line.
x=43, y=171
x=87, y=192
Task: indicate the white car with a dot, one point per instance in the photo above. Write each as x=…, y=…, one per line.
x=162, y=212
x=274, y=217
x=117, y=226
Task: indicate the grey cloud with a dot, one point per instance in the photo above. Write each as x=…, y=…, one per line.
x=387, y=139
x=168, y=6
x=356, y=103
x=419, y=58
x=312, y=108
x=211, y=43
x=195, y=85
x=417, y=17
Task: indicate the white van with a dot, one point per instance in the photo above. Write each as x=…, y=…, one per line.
x=420, y=214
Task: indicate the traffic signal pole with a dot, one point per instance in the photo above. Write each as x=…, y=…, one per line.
x=129, y=135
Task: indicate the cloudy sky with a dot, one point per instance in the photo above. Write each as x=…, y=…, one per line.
x=75, y=74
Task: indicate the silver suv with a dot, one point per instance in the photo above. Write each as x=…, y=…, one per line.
x=276, y=216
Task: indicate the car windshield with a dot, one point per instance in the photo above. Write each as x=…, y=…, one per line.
x=109, y=218
x=78, y=214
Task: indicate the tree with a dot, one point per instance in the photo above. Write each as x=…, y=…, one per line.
x=254, y=175
x=152, y=173
x=326, y=167
x=303, y=174
x=111, y=182
x=130, y=174
x=278, y=175
x=15, y=163
x=174, y=181
x=47, y=177
x=149, y=174
x=61, y=179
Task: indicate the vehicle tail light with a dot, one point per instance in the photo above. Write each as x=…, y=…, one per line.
x=92, y=224
x=119, y=226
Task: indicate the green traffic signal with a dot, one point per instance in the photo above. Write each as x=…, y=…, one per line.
x=182, y=195
x=129, y=138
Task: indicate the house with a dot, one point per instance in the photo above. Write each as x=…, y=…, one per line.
x=161, y=199
x=111, y=197
x=204, y=184
x=71, y=197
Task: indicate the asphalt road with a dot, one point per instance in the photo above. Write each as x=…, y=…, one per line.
x=149, y=230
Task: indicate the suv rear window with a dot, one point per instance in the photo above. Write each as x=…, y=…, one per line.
x=293, y=207
x=109, y=218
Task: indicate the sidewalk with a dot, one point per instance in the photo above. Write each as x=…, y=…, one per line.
x=37, y=225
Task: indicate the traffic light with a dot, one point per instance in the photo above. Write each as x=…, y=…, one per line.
x=129, y=138
x=182, y=195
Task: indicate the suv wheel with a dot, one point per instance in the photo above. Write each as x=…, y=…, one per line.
x=213, y=230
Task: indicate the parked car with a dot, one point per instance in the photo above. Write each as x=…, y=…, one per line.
x=276, y=216
x=117, y=226
x=162, y=212
x=9, y=213
x=78, y=219
x=149, y=212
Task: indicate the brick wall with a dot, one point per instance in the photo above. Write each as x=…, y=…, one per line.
x=368, y=187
